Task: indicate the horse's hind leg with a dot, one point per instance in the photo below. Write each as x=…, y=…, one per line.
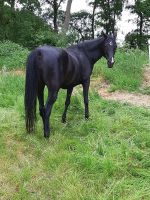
x=41, y=100
x=52, y=96
x=67, y=103
x=85, y=94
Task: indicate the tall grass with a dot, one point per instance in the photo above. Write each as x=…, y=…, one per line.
x=127, y=72
x=106, y=157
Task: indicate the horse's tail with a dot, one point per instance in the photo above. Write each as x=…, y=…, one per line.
x=31, y=87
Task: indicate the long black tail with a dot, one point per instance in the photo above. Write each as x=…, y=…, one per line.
x=31, y=86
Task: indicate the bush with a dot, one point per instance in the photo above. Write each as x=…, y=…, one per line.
x=12, y=55
x=45, y=37
x=48, y=37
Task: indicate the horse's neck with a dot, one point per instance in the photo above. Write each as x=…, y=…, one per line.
x=93, y=49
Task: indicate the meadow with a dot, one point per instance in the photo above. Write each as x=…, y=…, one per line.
x=104, y=158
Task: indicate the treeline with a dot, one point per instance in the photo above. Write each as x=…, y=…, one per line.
x=34, y=22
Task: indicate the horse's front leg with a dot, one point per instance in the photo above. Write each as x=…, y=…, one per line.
x=52, y=96
x=86, y=100
x=67, y=103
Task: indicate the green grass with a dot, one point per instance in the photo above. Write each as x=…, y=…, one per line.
x=104, y=158
x=127, y=73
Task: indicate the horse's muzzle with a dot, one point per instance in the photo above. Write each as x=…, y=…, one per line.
x=110, y=64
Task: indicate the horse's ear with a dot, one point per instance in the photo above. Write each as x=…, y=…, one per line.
x=104, y=34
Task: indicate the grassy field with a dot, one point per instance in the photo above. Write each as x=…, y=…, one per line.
x=104, y=158
x=127, y=74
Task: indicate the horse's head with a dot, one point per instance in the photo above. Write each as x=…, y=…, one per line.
x=109, y=48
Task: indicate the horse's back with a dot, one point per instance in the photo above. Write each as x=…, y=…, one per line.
x=59, y=65
x=62, y=68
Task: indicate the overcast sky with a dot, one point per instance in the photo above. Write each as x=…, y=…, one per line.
x=124, y=25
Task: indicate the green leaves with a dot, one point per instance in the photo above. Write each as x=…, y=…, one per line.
x=139, y=36
x=12, y=55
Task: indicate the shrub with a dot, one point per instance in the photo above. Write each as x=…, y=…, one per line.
x=12, y=55
x=54, y=39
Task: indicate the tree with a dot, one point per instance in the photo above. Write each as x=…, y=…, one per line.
x=20, y=26
x=67, y=15
x=54, y=6
x=94, y=5
x=33, y=6
x=109, y=12
x=80, y=23
x=11, y=3
x=141, y=9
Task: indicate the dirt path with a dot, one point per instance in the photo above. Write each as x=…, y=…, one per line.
x=126, y=97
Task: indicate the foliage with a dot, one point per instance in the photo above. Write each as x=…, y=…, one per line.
x=107, y=13
x=141, y=9
x=46, y=37
x=12, y=55
x=54, y=39
x=133, y=38
x=81, y=24
x=32, y=23
x=52, y=12
x=64, y=40
x=20, y=26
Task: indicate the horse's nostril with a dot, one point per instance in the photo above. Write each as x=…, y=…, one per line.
x=111, y=62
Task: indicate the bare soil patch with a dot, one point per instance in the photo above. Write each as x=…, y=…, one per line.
x=13, y=72
x=136, y=99
x=146, y=82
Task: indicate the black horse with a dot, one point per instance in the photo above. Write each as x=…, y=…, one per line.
x=62, y=68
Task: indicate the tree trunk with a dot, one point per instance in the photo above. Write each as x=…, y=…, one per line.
x=93, y=19
x=13, y=4
x=108, y=18
x=67, y=16
x=55, y=7
x=1, y=14
x=140, y=31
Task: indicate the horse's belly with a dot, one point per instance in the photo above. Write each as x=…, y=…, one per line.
x=66, y=86
x=71, y=81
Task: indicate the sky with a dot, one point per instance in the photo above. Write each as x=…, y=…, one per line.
x=124, y=25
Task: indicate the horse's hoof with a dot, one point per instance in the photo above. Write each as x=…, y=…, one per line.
x=86, y=117
x=63, y=120
x=46, y=135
